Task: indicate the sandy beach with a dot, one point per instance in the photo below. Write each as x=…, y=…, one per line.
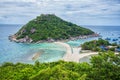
x=68, y=50
x=73, y=54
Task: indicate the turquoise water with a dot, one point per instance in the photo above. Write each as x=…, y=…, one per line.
x=19, y=52
x=112, y=32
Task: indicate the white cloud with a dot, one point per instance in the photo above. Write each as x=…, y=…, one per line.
x=74, y=9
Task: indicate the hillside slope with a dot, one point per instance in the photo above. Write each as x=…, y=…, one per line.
x=49, y=27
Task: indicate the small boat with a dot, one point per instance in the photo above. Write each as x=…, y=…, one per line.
x=115, y=39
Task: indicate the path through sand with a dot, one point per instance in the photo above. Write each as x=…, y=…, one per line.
x=73, y=54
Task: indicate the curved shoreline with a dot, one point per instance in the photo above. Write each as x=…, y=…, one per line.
x=75, y=56
x=68, y=50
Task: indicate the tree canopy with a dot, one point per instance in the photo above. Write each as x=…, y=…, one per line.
x=49, y=26
x=104, y=66
x=99, y=45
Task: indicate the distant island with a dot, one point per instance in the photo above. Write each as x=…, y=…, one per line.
x=50, y=28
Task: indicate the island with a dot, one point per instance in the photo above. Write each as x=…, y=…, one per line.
x=50, y=28
x=100, y=45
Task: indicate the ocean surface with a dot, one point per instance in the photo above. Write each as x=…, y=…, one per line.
x=111, y=32
x=21, y=52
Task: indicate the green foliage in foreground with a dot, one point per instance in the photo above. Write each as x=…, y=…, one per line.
x=49, y=26
x=105, y=66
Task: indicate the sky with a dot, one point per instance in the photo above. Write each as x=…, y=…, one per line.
x=81, y=12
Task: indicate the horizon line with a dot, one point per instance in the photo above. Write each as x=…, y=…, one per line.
x=77, y=24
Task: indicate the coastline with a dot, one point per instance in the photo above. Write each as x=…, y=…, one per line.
x=68, y=50
x=73, y=54
x=29, y=40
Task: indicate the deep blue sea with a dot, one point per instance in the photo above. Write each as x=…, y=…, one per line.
x=112, y=32
x=19, y=52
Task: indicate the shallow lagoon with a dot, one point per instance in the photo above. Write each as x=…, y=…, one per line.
x=19, y=52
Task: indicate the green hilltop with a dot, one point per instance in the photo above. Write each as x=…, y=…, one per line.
x=49, y=27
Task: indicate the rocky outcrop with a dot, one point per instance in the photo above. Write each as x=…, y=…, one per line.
x=84, y=36
x=26, y=39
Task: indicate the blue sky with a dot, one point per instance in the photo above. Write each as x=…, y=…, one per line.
x=82, y=12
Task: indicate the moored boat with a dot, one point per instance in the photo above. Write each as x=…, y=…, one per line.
x=115, y=39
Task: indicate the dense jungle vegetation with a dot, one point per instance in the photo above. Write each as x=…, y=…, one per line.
x=105, y=66
x=49, y=26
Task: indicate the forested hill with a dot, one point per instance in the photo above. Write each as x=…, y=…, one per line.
x=49, y=27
